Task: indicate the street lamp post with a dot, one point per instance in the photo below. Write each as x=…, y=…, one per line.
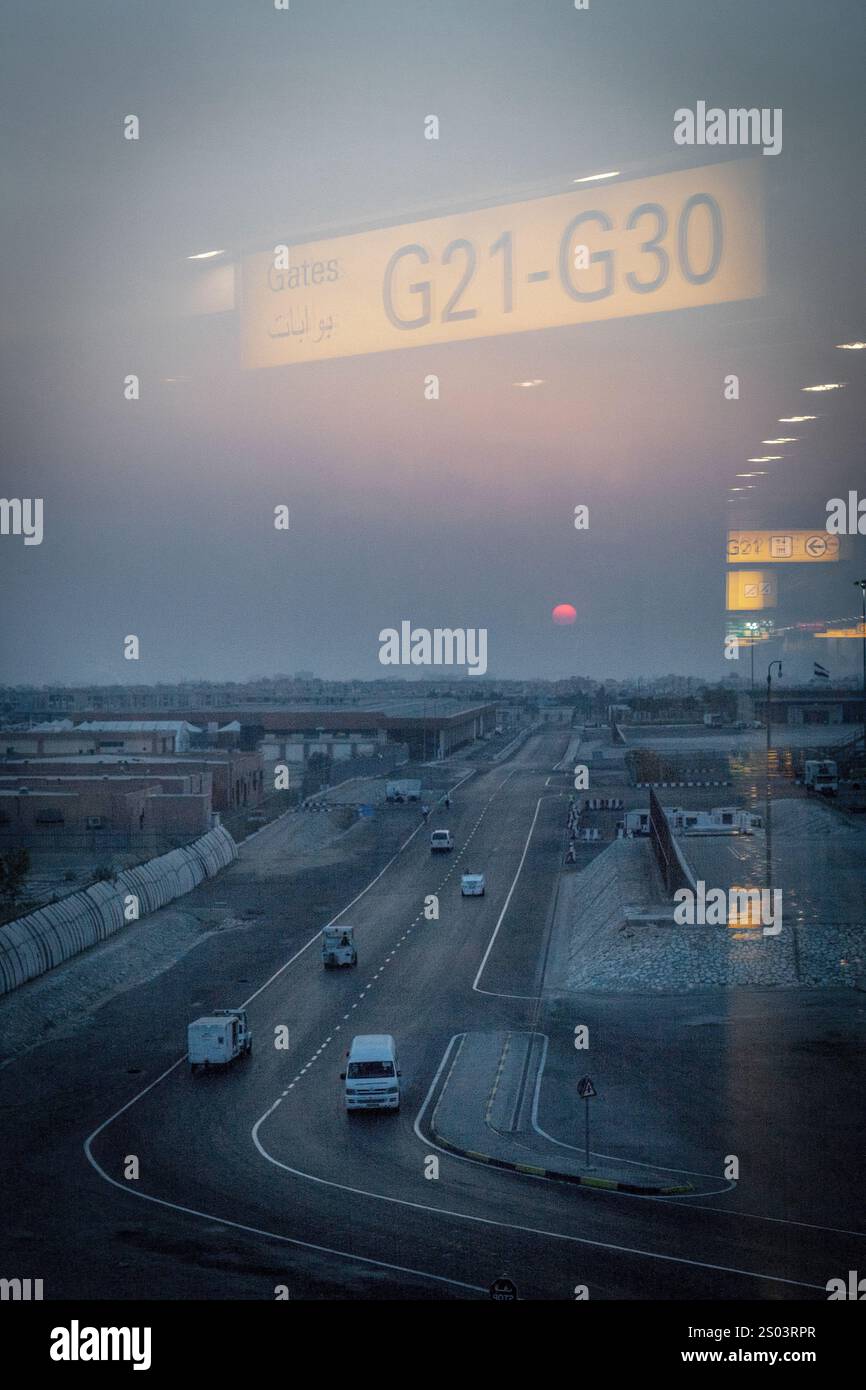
x=753, y=637
x=767, y=825
x=861, y=585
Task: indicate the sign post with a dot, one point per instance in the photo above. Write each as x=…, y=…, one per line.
x=587, y=1092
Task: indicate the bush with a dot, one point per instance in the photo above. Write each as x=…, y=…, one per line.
x=14, y=868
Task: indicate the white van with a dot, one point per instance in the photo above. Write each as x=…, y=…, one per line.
x=472, y=885
x=441, y=840
x=372, y=1075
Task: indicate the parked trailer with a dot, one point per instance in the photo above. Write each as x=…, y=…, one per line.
x=403, y=789
x=218, y=1038
x=821, y=775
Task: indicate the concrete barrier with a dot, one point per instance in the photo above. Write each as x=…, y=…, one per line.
x=57, y=932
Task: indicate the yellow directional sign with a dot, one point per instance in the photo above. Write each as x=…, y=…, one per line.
x=671, y=242
x=751, y=589
x=782, y=547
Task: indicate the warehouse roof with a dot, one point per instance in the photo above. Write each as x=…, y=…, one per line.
x=135, y=726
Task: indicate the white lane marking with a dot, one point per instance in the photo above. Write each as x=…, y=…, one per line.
x=773, y=1220
x=210, y=1216
x=336, y=918
x=684, y=1198
x=510, y=1225
x=408, y=930
x=502, y=917
x=242, y=1226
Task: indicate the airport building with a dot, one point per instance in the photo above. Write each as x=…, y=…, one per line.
x=430, y=728
x=811, y=706
x=97, y=736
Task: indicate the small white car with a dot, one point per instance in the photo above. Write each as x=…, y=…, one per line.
x=472, y=885
x=441, y=840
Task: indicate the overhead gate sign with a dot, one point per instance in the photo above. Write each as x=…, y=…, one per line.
x=782, y=547
x=674, y=241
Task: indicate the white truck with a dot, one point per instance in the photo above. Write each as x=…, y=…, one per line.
x=218, y=1038
x=441, y=840
x=403, y=789
x=372, y=1074
x=821, y=775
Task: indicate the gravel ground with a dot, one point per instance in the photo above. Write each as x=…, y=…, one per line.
x=820, y=862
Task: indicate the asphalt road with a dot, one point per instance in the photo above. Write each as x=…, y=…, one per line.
x=258, y=1177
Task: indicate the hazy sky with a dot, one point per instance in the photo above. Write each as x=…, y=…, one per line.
x=258, y=126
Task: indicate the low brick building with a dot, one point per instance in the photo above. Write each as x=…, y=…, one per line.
x=121, y=805
x=231, y=777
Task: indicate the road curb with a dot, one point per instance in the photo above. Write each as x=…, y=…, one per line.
x=576, y=1179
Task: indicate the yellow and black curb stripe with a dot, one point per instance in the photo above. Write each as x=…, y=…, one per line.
x=606, y=1184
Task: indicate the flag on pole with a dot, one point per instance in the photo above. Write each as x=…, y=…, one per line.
x=820, y=670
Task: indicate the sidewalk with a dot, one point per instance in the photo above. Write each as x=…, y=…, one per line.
x=486, y=1111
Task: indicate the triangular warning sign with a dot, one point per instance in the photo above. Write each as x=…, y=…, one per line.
x=585, y=1088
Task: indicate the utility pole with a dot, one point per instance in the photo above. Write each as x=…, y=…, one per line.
x=767, y=825
x=753, y=637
